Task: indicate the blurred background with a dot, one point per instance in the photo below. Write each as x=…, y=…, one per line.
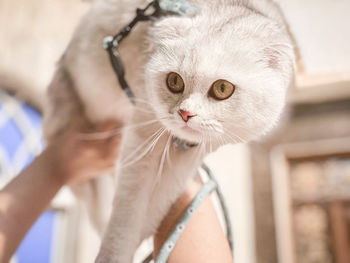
x=289, y=195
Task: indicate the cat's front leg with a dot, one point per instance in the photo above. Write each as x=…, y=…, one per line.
x=123, y=233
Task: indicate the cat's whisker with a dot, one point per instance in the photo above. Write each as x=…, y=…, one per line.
x=140, y=124
x=204, y=146
x=235, y=125
x=144, y=110
x=209, y=131
x=168, y=150
x=142, y=101
x=149, y=139
x=108, y=134
x=211, y=145
x=213, y=124
x=233, y=137
x=100, y=135
x=145, y=103
x=221, y=141
x=158, y=134
x=232, y=140
x=156, y=140
x=229, y=140
x=230, y=134
x=161, y=164
x=245, y=130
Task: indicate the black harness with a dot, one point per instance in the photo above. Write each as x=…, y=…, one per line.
x=111, y=44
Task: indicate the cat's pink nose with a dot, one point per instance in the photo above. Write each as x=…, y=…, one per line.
x=186, y=115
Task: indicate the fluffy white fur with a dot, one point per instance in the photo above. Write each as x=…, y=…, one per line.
x=244, y=42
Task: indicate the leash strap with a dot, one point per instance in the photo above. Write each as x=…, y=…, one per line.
x=222, y=204
x=169, y=244
x=174, y=236
x=111, y=43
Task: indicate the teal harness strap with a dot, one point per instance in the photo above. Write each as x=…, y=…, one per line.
x=179, y=7
x=169, y=244
x=223, y=206
x=206, y=189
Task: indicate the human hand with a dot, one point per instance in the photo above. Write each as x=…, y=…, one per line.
x=82, y=152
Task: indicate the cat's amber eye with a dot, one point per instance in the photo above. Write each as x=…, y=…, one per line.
x=222, y=89
x=175, y=82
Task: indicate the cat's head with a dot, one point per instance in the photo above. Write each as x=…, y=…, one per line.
x=222, y=79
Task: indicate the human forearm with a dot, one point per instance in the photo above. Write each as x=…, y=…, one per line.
x=71, y=158
x=23, y=200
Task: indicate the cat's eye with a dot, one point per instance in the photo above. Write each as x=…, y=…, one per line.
x=175, y=82
x=221, y=89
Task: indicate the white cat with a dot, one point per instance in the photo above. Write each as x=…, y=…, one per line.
x=217, y=77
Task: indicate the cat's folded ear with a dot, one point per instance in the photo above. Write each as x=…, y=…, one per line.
x=170, y=29
x=279, y=55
